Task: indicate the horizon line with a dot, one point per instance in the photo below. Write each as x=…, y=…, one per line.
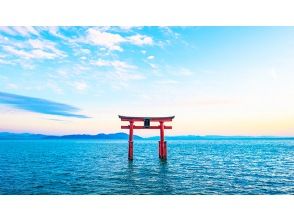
x=196, y=135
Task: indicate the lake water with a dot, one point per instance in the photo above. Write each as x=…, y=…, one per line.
x=101, y=167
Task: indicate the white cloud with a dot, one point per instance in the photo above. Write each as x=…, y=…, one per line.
x=113, y=41
x=128, y=76
x=122, y=65
x=39, y=44
x=32, y=30
x=126, y=28
x=55, y=32
x=105, y=39
x=26, y=31
x=116, y=64
x=7, y=30
x=40, y=54
x=140, y=40
x=169, y=32
x=101, y=63
x=46, y=45
x=34, y=49
x=10, y=41
x=17, y=52
x=104, y=28
x=150, y=57
x=33, y=54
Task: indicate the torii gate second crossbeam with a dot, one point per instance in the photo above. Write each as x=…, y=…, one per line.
x=162, y=148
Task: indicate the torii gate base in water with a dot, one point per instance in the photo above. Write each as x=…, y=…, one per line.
x=162, y=148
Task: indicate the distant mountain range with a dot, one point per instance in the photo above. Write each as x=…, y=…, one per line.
x=124, y=136
x=101, y=136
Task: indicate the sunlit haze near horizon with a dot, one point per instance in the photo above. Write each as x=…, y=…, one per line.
x=215, y=80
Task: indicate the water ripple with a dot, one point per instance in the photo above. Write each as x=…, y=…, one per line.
x=101, y=167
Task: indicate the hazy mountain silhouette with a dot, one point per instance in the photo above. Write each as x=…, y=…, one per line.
x=124, y=136
x=102, y=136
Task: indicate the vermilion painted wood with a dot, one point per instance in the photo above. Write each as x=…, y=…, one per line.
x=130, y=118
x=131, y=140
x=161, y=142
x=142, y=127
x=162, y=149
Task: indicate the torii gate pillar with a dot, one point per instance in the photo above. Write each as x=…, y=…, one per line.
x=162, y=148
x=162, y=143
x=131, y=141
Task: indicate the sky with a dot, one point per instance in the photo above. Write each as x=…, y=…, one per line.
x=215, y=80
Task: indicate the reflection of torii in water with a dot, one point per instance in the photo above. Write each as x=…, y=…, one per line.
x=162, y=144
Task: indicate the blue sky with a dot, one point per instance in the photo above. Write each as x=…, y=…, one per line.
x=216, y=80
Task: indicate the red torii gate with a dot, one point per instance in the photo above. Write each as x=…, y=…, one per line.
x=161, y=145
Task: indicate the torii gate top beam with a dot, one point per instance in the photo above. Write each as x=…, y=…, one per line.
x=159, y=119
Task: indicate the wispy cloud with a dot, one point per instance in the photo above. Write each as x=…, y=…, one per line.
x=33, y=54
x=38, y=105
x=119, y=73
x=150, y=57
x=116, y=64
x=30, y=48
x=46, y=45
x=55, y=31
x=113, y=41
x=26, y=31
x=121, y=79
x=7, y=30
x=140, y=40
x=20, y=30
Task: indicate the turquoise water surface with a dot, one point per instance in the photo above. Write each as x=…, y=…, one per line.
x=101, y=167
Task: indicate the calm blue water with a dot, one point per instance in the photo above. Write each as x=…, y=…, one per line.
x=101, y=167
